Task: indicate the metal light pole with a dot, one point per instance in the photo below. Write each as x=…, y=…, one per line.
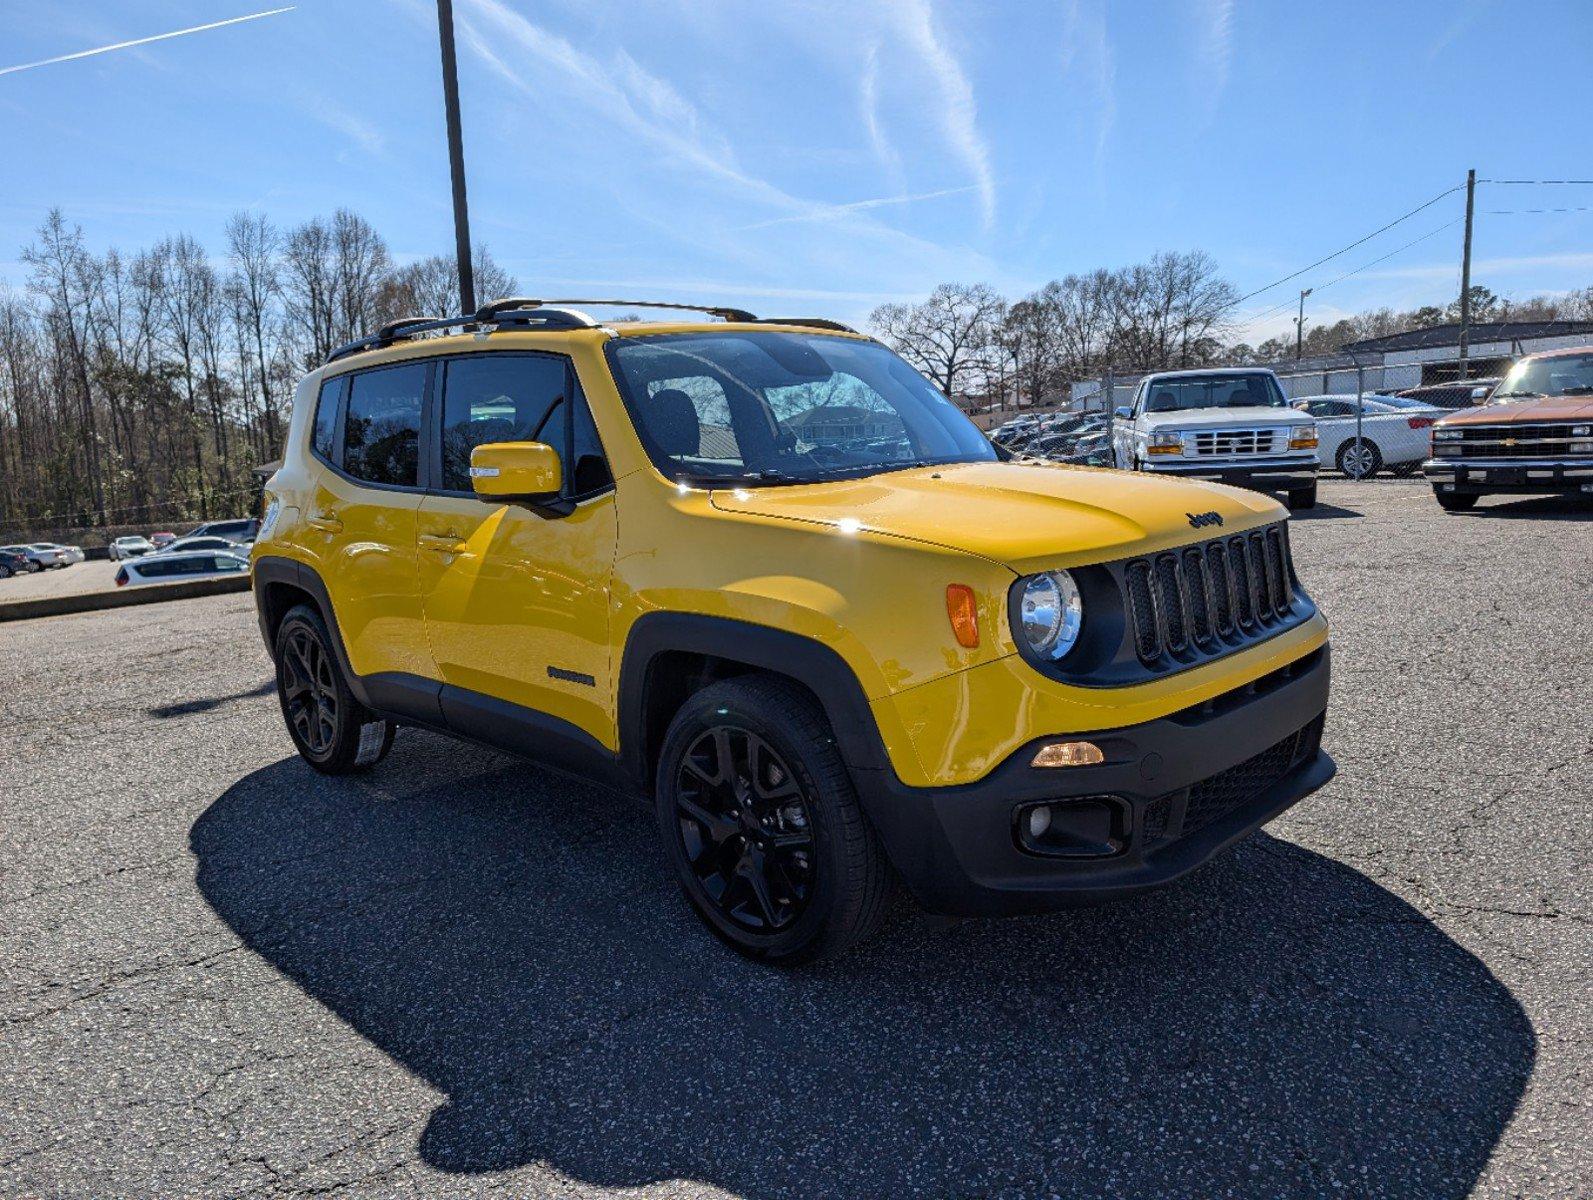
x=456, y=157
x=1465, y=273
x=1299, y=324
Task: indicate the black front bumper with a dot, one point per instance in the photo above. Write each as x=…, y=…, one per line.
x=1521, y=477
x=1184, y=788
x=1260, y=476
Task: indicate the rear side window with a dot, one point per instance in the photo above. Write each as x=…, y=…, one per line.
x=326, y=418
x=498, y=398
x=151, y=568
x=381, y=437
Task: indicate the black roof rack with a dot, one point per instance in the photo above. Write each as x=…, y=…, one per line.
x=526, y=311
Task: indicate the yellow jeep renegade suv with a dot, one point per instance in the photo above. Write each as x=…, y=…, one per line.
x=766, y=574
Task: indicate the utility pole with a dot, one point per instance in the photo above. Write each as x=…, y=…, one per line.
x=456, y=157
x=1299, y=324
x=1465, y=272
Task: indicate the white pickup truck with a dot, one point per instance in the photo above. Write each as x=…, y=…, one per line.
x=1232, y=426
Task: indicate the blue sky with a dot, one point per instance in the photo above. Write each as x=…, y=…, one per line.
x=822, y=157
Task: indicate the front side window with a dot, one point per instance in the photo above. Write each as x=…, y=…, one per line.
x=1216, y=390
x=785, y=408
x=381, y=437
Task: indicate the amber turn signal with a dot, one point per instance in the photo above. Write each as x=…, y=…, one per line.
x=1068, y=754
x=964, y=614
x=1304, y=439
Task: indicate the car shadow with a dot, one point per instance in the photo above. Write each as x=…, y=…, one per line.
x=1536, y=508
x=186, y=708
x=1277, y=1024
x=1322, y=511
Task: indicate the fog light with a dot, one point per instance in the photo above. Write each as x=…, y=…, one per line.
x=1068, y=754
x=1039, y=820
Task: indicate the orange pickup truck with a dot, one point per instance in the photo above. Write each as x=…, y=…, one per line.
x=1533, y=436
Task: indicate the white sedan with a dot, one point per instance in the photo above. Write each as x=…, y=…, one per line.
x=130, y=547
x=206, y=542
x=69, y=554
x=174, y=568
x=1394, y=433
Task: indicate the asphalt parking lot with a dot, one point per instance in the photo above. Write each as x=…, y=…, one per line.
x=77, y=579
x=221, y=974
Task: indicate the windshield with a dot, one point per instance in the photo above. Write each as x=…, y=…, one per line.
x=785, y=408
x=1562, y=375
x=1185, y=393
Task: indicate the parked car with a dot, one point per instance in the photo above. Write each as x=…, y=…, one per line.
x=1232, y=425
x=205, y=542
x=825, y=679
x=69, y=554
x=12, y=563
x=1534, y=437
x=174, y=568
x=1390, y=435
x=130, y=546
x=162, y=539
x=42, y=559
x=1457, y=395
x=241, y=530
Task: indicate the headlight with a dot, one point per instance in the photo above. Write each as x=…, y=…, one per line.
x=1164, y=441
x=1050, y=614
x=1303, y=438
x=1446, y=435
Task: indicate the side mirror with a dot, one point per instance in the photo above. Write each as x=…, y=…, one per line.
x=1123, y=412
x=529, y=472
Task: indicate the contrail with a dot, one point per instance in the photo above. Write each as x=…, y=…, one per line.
x=159, y=37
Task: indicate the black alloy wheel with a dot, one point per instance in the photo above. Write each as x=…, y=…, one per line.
x=746, y=829
x=331, y=730
x=309, y=691
x=762, y=823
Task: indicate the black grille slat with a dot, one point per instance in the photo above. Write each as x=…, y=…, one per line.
x=1142, y=611
x=1197, y=595
x=1191, y=601
x=1169, y=604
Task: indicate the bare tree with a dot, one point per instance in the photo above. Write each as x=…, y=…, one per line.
x=253, y=244
x=429, y=287
x=945, y=336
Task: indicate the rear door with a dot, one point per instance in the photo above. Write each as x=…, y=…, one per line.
x=360, y=523
x=516, y=603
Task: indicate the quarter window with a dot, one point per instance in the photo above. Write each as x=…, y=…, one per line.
x=381, y=438
x=326, y=418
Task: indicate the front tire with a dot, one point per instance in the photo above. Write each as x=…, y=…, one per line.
x=1456, y=501
x=331, y=730
x=762, y=825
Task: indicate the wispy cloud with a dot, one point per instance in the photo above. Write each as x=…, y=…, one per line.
x=959, y=112
x=143, y=41
x=353, y=126
x=829, y=212
x=1216, y=44
x=1505, y=265
x=1089, y=60
x=1463, y=20
x=869, y=105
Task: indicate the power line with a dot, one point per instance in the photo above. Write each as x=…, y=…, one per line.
x=1510, y=212
x=1541, y=182
x=1346, y=249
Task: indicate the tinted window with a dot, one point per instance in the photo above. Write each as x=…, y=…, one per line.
x=326, y=418
x=590, y=473
x=381, y=438
x=150, y=568
x=498, y=398
x=1186, y=393
x=225, y=563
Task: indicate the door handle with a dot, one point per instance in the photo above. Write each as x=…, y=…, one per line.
x=443, y=543
x=325, y=521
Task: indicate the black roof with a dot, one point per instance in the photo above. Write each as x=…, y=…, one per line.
x=1438, y=336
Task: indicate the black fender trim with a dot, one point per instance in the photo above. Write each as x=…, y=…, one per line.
x=270, y=569
x=814, y=665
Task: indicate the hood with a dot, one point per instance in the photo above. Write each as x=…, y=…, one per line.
x=1027, y=516
x=1518, y=412
x=1205, y=418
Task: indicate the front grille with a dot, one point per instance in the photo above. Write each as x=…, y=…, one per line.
x=1514, y=441
x=1214, y=798
x=1226, y=442
x=1211, y=596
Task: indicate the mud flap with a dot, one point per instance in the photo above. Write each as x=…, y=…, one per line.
x=374, y=740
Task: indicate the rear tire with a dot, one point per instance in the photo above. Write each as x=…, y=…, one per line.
x=1304, y=497
x=1456, y=501
x=762, y=825
x=331, y=730
x=1359, y=459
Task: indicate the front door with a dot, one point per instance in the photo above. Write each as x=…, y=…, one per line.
x=516, y=603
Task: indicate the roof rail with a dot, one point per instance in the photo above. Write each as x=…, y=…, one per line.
x=517, y=312
x=490, y=311
x=808, y=322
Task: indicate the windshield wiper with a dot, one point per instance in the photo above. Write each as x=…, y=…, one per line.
x=1581, y=389
x=1508, y=395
